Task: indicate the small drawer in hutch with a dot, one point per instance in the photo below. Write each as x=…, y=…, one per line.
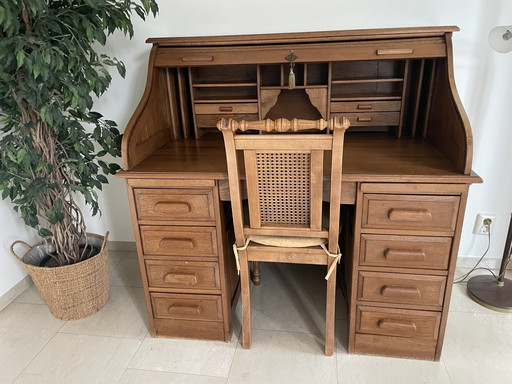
x=405, y=289
x=410, y=212
x=179, y=241
x=225, y=108
x=183, y=274
x=366, y=106
x=405, y=251
x=175, y=204
x=372, y=118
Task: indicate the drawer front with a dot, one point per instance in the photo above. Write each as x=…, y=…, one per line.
x=210, y=121
x=422, y=290
x=418, y=212
x=393, y=346
x=405, y=251
x=179, y=241
x=174, y=204
x=271, y=54
x=186, y=307
x=366, y=106
x=397, y=322
x=182, y=274
x=225, y=108
x=370, y=119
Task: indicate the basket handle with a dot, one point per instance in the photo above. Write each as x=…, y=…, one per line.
x=18, y=242
x=104, y=241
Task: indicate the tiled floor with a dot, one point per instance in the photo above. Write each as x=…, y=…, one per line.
x=112, y=346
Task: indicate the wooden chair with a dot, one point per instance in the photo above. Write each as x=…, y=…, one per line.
x=285, y=175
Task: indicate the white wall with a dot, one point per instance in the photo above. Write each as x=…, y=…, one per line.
x=483, y=78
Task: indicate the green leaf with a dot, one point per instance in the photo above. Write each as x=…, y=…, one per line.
x=20, y=59
x=44, y=232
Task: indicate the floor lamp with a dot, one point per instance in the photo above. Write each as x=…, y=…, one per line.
x=491, y=292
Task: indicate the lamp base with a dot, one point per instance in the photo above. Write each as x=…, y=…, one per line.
x=486, y=291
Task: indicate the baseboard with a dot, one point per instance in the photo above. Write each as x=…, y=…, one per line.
x=8, y=297
x=468, y=262
x=122, y=246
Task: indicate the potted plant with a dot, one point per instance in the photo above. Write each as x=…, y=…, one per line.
x=53, y=144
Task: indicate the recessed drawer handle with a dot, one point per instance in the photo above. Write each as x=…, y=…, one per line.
x=178, y=206
x=364, y=119
x=177, y=243
x=197, y=58
x=180, y=309
x=226, y=109
x=397, y=325
x=404, y=254
x=395, y=51
x=391, y=291
x=401, y=214
x=180, y=278
x=364, y=106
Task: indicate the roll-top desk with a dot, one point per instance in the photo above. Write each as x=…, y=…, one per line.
x=406, y=173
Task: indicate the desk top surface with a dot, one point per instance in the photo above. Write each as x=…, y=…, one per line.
x=367, y=157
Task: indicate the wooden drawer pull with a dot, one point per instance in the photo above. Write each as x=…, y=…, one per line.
x=416, y=215
x=404, y=255
x=395, y=51
x=226, y=109
x=394, y=325
x=197, y=58
x=364, y=119
x=176, y=207
x=180, y=278
x=393, y=291
x=365, y=107
x=180, y=309
x=181, y=243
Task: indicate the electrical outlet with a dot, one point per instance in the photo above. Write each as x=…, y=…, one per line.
x=480, y=227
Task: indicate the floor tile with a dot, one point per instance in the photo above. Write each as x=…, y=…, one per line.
x=136, y=376
x=80, y=359
x=115, y=257
x=283, y=357
x=30, y=296
x=197, y=357
x=24, y=330
x=124, y=315
x=478, y=348
x=291, y=298
x=126, y=273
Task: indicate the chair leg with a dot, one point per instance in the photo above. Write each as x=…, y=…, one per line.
x=330, y=312
x=256, y=275
x=246, y=299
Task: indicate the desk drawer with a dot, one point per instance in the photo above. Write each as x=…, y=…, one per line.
x=366, y=106
x=369, y=119
x=186, y=307
x=182, y=274
x=422, y=290
x=210, y=121
x=225, y=108
x=179, y=241
x=405, y=251
x=175, y=204
x=417, y=212
x=398, y=322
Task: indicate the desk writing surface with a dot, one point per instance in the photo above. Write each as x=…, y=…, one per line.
x=367, y=157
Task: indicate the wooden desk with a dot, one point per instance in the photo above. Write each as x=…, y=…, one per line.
x=406, y=172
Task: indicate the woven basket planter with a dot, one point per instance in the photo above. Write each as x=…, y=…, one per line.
x=74, y=291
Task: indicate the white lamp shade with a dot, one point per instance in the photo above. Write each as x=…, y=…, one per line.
x=500, y=38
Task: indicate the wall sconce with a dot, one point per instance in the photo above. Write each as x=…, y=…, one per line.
x=500, y=38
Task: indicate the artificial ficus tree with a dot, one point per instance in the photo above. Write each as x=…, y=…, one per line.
x=52, y=141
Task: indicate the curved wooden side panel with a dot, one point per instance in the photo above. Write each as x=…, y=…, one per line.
x=449, y=129
x=149, y=127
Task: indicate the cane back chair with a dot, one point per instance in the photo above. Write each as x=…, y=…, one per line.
x=285, y=176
